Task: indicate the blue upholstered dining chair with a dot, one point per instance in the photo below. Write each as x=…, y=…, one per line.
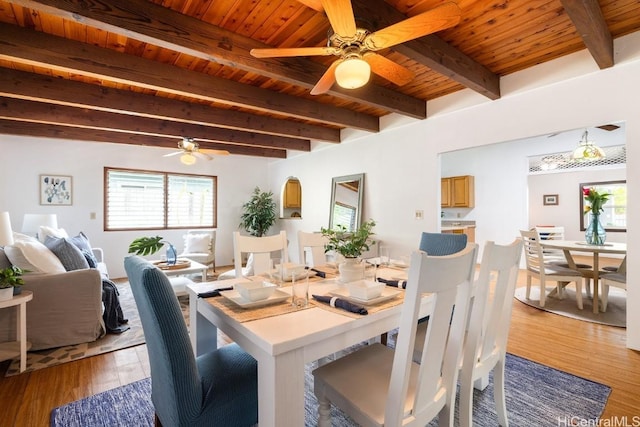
x=441, y=244
x=219, y=388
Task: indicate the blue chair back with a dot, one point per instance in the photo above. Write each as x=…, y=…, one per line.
x=175, y=385
x=441, y=244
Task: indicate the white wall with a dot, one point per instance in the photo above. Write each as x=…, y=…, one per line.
x=24, y=159
x=402, y=162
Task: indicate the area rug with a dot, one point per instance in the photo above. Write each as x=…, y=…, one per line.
x=110, y=342
x=616, y=314
x=535, y=395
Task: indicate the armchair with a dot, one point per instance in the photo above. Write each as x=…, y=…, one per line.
x=200, y=246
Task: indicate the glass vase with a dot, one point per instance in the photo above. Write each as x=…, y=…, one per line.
x=594, y=233
x=172, y=255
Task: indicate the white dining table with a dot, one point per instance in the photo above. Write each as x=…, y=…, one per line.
x=569, y=246
x=283, y=344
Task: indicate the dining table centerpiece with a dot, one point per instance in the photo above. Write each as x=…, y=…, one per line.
x=594, y=231
x=351, y=245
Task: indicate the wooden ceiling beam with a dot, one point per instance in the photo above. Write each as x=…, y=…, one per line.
x=23, y=128
x=37, y=87
x=35, y=48
x=432, y=51
x=39, y=112
x=589, y=21
x=160, y=26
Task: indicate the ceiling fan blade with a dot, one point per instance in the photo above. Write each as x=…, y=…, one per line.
x=214, y=152
x=388, y=69
x=436, y=19
x=175, y=153
x=293, y=51
x=202, y=155
x=340, y=14
x=327, y=80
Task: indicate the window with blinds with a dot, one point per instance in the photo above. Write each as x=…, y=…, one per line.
x=157, y=200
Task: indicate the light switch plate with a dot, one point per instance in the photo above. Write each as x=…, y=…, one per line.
x=419, y=214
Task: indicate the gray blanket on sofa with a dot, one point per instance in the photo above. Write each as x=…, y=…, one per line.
x=113, y=317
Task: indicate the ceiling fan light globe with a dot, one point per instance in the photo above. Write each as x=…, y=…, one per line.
x=188, y=159
x=353, y=73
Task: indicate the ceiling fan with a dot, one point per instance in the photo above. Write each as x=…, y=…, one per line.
x=189, y=150
x=356, y=46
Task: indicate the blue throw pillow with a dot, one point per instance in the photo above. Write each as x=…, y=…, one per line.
x=69, y=255
x=82, y=242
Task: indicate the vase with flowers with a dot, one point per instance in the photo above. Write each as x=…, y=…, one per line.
x=594, y=231
x=351, y=245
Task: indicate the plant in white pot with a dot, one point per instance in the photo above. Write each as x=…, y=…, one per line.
x=351, y=245
x=10, y=282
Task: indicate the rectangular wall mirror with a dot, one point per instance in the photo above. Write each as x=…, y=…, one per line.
x=346, y=201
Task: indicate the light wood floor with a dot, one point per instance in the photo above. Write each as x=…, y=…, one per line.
x=585, y=349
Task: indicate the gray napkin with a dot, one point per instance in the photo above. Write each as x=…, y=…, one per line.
x=341, y=303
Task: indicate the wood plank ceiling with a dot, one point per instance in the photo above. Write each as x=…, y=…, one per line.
x=150, y=72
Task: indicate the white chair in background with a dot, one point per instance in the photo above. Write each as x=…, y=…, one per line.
x=543, y=272
x=260, y=248
x=200, y=246
x=311, y=244
x=557, y=257
x=485, y=347
x=377, y=385
x=617, y=279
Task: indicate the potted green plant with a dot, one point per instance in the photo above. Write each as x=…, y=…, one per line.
x=150, y=245
x=259, y=213
x=350, y=245
x=10, y=282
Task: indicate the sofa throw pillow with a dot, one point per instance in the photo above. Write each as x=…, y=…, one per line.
x=90, y=257
x=34, y=257
x=69, y=255
x=197, y=243
x=46, y=231
x=82, y=242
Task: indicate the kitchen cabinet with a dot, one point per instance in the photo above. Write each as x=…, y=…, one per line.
x=457, y=192
x=469, y=231
x=292, y=194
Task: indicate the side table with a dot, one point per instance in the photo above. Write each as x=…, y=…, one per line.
x=11, y=349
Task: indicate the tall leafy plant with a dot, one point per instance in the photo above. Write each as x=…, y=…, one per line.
x=259, y=213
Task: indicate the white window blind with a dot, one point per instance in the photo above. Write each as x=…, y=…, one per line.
x=158, y=200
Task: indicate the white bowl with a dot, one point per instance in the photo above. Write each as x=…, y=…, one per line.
x=365, y=289
x=255, y=291
x=289, y=268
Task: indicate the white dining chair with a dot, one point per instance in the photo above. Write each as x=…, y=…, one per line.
x=377, y=385
x=311, y=244
x=543, y=272
x=261, y=249
x=485, y=346
x=616, y=279
x=557, y=257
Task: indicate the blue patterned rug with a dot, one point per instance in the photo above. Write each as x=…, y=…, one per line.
x=536, y=395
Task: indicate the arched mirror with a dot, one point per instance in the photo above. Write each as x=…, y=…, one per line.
x=346, y=201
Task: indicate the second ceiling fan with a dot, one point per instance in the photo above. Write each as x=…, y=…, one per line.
x=356, y=47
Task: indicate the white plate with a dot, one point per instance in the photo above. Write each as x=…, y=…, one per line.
x=387, y=294
x=276, y=297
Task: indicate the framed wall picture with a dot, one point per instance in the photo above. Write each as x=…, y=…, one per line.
x=550, y=199
x=56, y=190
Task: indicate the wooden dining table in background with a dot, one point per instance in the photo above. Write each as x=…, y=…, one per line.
x=569, y=246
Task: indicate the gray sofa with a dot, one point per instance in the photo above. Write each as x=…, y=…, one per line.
x=66, y=307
